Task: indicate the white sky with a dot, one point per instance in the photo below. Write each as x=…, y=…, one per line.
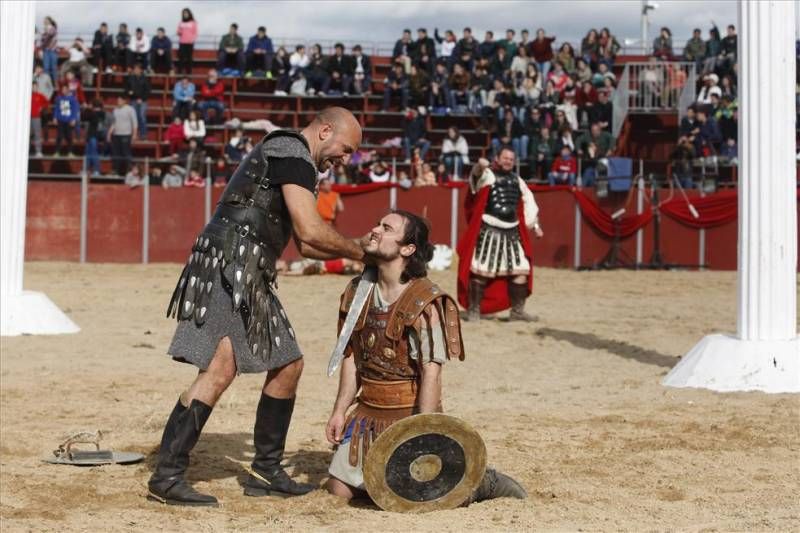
x=384, y=20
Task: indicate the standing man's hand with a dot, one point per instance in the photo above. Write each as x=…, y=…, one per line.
x=538, y=231
x=335, y=428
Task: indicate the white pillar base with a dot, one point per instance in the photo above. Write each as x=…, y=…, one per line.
x=725, y=364
x=32, y=313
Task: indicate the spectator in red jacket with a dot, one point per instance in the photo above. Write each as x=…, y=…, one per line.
x=542, y=52
x=213, y=97
x=564, y=168
x=38, y=102
x=585, y=100
x=174, y=135
x=75, y=87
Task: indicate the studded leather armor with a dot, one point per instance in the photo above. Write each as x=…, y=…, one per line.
x=504, y=197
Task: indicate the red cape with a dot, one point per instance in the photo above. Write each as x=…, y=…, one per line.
x=495, y=297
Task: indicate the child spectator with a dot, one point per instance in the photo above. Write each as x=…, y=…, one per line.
x=194, y=128
x=329, y=203
x=455, y=149
x=174, y=135
x=414, y=132
x=161, y=53
x=173, y=178
x=183, y=95
x=220, y=175
x=140, y=49
x=425, y=176
x=564, y=168
x=213, y=93
x=187, y=35
x=280, y=71
x=95, y=135
x=67, y=115
x=134, y=177
x=137, y=87
x=38, y=103
x=234, y=150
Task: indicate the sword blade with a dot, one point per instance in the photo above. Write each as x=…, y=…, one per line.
x=368, y=278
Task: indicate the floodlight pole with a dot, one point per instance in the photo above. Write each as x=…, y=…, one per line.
x=21, y=312
x=765, y=352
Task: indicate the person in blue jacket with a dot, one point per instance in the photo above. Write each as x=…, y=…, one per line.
x=260, y=53
x=67, y=113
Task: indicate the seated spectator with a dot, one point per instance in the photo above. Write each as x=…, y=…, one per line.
x=231, y=50
x=194, y=179
x=193, y=160
x=727, y=116
x=220, y=174
x=695, y=49
x=532, y=124
x=728, y=49
x=44, y=81
x=728, y=87
x=509, y=43
x=183, y=95
x=708, y=138
x=558, y=76
x=67, y=113
x=564, y=168
x=446, y=44
x=455, y=151
x=681, y=162
x=75, y=87
x=418, y=87
x=78, y=60
x=662, y=45
x=566, y=56
x=414, y=132
x=510, y=133
x=425, y=60
x=424, y=41
x=442, y=176
x=340, y=69
x=403, y=50
x=140, y=49
x=520, y=62
x=102, y=49
x=459, y=84
x=710, y=86
x=339, y=174
x=541, y=49
x=590, y=48
x=137, y=87
x=496, y=101
x=234, y=150
x=528, y=94
x=593, y=145
x=161, y=53
x=688, y=124
x=589, y=160
x=316, y=73
x=395, y=85
x=329, y=202
x=298, y=61
x=212, y=93
x=713, y=49
x=500, y=64
x=545, y=147
x=488, y=47
x=425, y=175
x=378, y=172
x=134, y=177
x=564, y=137
x=481, y=84
x=583, y=71
x=651, y=84
x=122, y=53
x=439, y=100
x=603, y=73
x=155, y=177
x=362, y=72
x=280, y=71
x=608, y=48
x=601, y=112
x=259, y=54
x=194, y=128
x=174, y=135
x=585, y=100
x=173, y=178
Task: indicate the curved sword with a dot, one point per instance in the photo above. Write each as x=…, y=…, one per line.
x=368, y=278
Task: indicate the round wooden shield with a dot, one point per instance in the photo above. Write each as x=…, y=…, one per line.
x=422, y=463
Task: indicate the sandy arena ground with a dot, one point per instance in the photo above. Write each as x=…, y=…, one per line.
x=571, y=406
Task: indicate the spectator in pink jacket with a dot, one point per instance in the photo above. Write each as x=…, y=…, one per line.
x=187, y=35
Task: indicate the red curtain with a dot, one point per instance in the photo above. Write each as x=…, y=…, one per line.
x=602, y=222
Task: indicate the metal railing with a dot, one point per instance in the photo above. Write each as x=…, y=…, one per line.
x=620, y=103
x=687, y=94
x=656, y=86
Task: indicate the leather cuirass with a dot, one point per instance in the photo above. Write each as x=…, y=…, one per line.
x=504, y=197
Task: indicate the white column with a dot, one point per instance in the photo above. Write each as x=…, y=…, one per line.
x=20, y=311
x=765, y=353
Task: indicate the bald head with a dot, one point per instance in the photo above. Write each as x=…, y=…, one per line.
x=333, y=136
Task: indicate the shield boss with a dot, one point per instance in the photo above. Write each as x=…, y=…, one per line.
x=424, y=463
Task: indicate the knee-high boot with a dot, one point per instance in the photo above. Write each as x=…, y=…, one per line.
x=518, y=293
x=476, y=288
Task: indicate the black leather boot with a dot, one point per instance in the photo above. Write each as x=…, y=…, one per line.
x=167, y=484
x=518, y=293
x=475, y=298
x=269, y=436
x=497, y=485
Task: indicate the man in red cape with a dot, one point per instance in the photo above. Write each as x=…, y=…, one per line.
x=495, y=255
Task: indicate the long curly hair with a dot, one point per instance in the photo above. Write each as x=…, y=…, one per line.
x=417, y=232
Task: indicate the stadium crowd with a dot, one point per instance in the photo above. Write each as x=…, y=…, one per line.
x=551, y=106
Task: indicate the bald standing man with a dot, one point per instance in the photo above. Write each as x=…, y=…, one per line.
x=230, y=320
